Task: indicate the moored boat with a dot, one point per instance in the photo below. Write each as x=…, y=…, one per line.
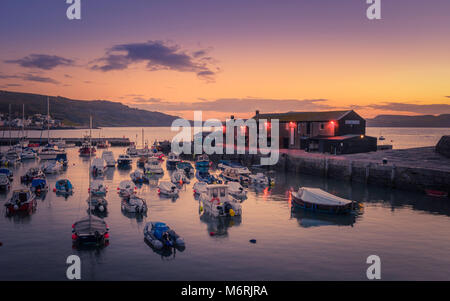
x=153, y=166
x=134, y=204
x=168, y=189
x=97, y=188
x=108, y=156
x=159, y=235
x=172, y=160
x=315, y=199
x=217, y=202
x=126, y=189
x=21, y=201
x=124, y=160
x=179, y=177
x=63, y=186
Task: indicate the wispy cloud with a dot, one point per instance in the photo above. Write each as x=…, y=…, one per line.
x=30, y=77
x=157, y=55
x=236, y=105
x=42, y=61
x=412, y=108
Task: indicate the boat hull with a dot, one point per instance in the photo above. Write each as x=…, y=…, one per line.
x=332, y=209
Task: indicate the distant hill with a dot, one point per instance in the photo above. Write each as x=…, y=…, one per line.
x=430, y=121
x=76, y=112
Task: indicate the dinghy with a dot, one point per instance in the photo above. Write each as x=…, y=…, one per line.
x=138, y=177
x=134, y=204
x=52, y=167
x=207, y=177
x=126, y=189
x=168, y=189
x=39, y=185
x=186, y=167
x=217, y=202
x=63, y=186
x=31, y=174
x=316, y=199
x=234, y=175
x=159, y=235
x=97, y=204
x=22, y=201
x=8, y=172
x=124, y=160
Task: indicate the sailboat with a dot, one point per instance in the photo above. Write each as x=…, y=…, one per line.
x=90, y=230
x=49, y=152
x=87, y=149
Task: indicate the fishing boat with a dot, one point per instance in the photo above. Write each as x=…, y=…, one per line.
x=134, y=204
x=168, y=189
x=172, y=161
x=32, y=173
x=108, y=156
x=90, y=230
x=261, y=179
x=39, y=186
x=7, y=172
x=87, y=150
x=216, y=201
x=159, y=235
x=138, y=177
x=126, y=189
x=199, y=187
x=98, y=167
x=21, y=201
x=103, y=144
x=202, y=162
x=124, y=160
x=97, y=188
x=179, y=177
x=63, y=186
x=316, y=199
x=234, y=175
x=153, y=166
x=51, y=167
x=236, y=190
x=186, y=167
x=5, y=184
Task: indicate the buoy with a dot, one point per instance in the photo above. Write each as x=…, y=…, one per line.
x=212, y=233
x=231, y=212
x=253, y=241
x=54, y=189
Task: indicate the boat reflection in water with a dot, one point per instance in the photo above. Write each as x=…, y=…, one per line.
x=165, y=253
x=218, y=226
x=307, y=219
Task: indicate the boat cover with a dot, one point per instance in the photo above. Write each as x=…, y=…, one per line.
x=97, y=224
x=318, y=196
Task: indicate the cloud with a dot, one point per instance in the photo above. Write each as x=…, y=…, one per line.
x=30, y=77
x=157, y=55
x=447, y=96
x=236, y=105
x=42, y=61
x=433, y=109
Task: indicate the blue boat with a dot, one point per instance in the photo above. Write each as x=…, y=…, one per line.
x=186, y=167
x=7, y=172
x=202, y=162
x=159, y=235
x=207, y=177
x=63, y=186
x=39, y=185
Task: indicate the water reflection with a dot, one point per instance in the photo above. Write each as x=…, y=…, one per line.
x=308, y=219
x=218, y=226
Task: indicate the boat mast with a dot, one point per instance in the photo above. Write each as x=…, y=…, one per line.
x=48, y=120
x=23, y=123
x=9, y=125
x=89, y=170
x=142, y=138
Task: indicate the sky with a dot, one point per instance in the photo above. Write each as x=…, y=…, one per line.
x=232, y=57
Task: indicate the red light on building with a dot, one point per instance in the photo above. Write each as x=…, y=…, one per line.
x=292, y=124
x=332, y=123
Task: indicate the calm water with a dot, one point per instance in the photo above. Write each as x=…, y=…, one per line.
x=409, y=231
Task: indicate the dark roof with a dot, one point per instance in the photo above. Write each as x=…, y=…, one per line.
x=305, y=116
x=340, y=138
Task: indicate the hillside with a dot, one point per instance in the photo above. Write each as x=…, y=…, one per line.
x=76, y=112
x=410, y=121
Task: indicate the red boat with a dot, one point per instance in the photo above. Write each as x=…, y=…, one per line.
x=22, y=201
x=436, y=193
x=87, y=150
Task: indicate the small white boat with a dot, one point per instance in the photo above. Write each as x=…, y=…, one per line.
x=28, y=154
x=153, y=166
x=126, y=189
x=168, y=189
x=12, y=156
x=200, y=187
x=50, y=153
x=134, y=205
x=97, y=188
x=5, y=184
x=132, y=151
x=138, y=177
x=217, y=202
x=236, y=190
x=235, y=175
x=124, y=160
x=179, y=177
x=315, y=199
x=98, y=167
x=261, y=179
x=52, y=167
x=108, y=156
